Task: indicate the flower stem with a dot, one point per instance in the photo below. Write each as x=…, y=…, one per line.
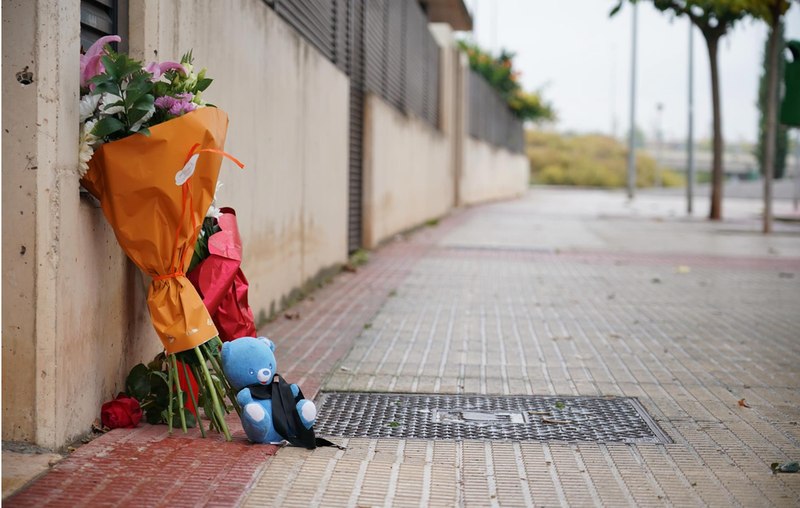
x=201, y=385
x=213, y=393
x=169, y=383
x=221, y=374
x=180, y=393
x=194, y=401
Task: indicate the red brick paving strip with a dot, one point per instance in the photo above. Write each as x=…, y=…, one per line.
x=147, y=467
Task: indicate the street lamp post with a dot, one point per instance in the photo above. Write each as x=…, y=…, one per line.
x=632, y=139
x=690, y=141
x=660, y=139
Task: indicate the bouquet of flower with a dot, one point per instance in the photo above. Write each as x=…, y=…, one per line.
x=216, y=273
x=150, y=151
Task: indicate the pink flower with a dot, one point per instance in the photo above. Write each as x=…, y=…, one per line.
x=158, y=69
x=91, y=65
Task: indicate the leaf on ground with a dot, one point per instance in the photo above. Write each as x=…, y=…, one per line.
x=349, y=268
x=292, y=315
x=97, y=426
x=743, y=403
x=560, y=405
x=547, y=420
x=683, y=269
x=789, y=467
x=656, y=280
x=393, y=424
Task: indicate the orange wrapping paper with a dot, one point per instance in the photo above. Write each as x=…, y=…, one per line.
x=134, y=179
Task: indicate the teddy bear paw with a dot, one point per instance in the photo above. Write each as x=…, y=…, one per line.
x=255, y=412
x=307, y=411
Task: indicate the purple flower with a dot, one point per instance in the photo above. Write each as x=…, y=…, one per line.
x=176, y=106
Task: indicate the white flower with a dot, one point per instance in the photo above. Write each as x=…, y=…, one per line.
x=107, y=100
x=213, y=211
x=88, y=106
x=88, y=142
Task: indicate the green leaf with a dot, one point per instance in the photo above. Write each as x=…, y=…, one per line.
x=106, y=87
x=560, y=405
x=107, y=126
x=111, y=67
x=144, y=131
x=393, y=424
x=144, y=102
x=615, y=10
x=191, y=421
x=135, y=114
x=203, y=84
x=137, y=382
x=158, y=362
x=153, y=416
x=157, y=378
x=137, y=87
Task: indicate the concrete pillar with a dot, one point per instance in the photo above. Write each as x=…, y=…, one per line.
x=73, y=308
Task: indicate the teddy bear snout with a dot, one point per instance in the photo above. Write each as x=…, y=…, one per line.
x=264, y=376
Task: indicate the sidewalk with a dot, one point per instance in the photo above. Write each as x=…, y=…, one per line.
x=562, y=293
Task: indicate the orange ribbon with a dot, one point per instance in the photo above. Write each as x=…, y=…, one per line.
x=186, y=188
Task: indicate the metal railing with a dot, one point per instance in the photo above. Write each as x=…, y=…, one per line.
x=400, y=56
x=490, y=119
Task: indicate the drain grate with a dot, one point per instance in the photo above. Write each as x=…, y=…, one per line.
x=481, y=417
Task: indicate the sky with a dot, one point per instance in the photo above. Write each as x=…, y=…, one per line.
x=581, y=59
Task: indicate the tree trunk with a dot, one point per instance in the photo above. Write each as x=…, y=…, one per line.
x=717, y=172
x=771, y=121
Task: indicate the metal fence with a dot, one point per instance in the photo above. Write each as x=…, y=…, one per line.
x=324, y=23
x=400, y=57
x=490, y=118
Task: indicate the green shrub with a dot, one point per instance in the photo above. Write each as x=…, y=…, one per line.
x=590, y=160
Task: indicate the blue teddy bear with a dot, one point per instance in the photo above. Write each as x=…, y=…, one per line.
x=249, y=362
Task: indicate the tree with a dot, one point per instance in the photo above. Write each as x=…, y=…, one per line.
x=770, y=11
x=714, y=18
x=782, y=140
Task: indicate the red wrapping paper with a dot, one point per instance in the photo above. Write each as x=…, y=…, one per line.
x=221, y=283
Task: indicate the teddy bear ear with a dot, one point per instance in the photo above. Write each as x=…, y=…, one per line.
x=268, y=342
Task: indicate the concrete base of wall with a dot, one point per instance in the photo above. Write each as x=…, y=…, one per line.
x=490, y=173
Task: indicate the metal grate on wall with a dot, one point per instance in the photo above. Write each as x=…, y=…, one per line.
x=490, y=119
x=324, y=23
x=104, y=17
x=402, y=57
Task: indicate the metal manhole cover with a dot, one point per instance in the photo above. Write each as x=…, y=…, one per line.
x=482, y=417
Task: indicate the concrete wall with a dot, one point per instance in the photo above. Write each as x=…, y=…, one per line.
x=74, y=314
x=408, y=177
x=491, y=173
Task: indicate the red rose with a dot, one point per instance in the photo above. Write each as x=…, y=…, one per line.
x=122, y=413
